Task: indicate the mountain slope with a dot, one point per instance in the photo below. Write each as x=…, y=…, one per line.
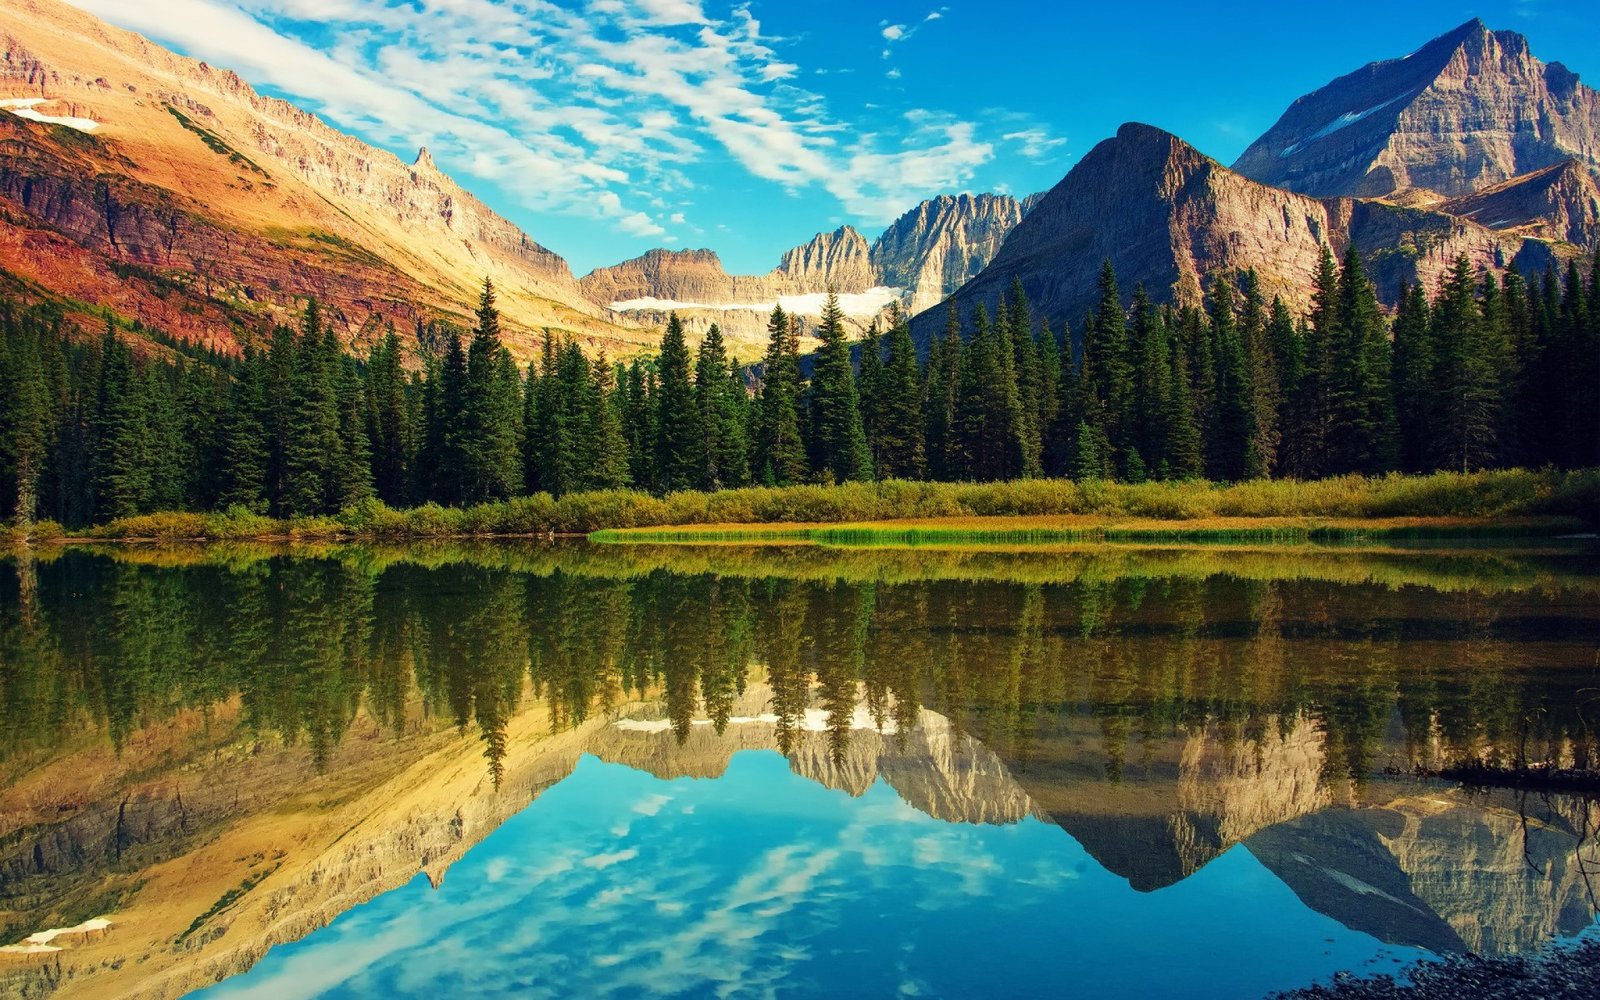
x=197, y=205
x=1557, y=203
x=1169, y=217
x=1470, y=109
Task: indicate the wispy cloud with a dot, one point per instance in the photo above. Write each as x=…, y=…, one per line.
x=1035, y=143
x=591, y=112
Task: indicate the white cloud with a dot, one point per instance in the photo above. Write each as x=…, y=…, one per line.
x=1035, y=142
x=593, y=113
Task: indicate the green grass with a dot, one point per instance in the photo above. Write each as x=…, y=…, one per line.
x=1512, y=503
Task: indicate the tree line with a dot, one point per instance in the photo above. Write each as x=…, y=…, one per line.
x=1485, y=372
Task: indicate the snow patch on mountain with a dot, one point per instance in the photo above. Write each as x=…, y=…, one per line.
x=1342, y=122
x=24, y=107
x=860, y=305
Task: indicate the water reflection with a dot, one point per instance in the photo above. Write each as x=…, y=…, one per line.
x=285, y=726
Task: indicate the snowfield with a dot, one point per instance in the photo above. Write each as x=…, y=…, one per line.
x=1343, y=121
x=23, y=107
x=860, y=305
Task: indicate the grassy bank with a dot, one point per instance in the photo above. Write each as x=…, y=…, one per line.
x=1454, y=504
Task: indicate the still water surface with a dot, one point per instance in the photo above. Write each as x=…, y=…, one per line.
x=582, y=770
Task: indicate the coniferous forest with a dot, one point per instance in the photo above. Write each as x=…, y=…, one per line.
x=1481, y=372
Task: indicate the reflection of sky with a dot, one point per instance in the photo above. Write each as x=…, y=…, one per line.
x=761, y=882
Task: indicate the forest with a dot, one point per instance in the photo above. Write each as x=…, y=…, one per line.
x=1482, y=372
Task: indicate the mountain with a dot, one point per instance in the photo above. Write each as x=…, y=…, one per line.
x=1470, y=109
x=694, y=284
x=169, y=192
x=942, y=243
x=1560, y=203
x=924, y=256
x=1168, y=217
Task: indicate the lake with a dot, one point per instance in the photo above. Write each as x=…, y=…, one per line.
x=569, y=769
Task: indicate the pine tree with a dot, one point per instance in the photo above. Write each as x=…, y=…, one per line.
x=839, y=442
x=312, y=442
x=1466, y=387
x=488, y=449
x=1261, y=361
x=1018, y=324
x=943, y=384
x=723, y=451
x=780, y=452
x=246, y=442
x=899, y=393
x=1359, y=394
x=121, y=452
x=1184, y=454
x=1106, y=342
x=447, y=426
x=1412, y=364
x=388, y=422
x=679, y=439
x=638, y=426
x=1231, y=445
x=25, y=422
x=609, y=469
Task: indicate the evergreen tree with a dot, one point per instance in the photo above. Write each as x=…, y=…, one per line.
x=780, y=452
x=638, y=426
x=943, y=386
x=610, y=468
x=1412, y=363
x=1466, y=383
x=1255, y=329
x=447, y=429
x=839, y=442
x=488, y=436
x=246, y=445
x=1230, y=449
x=388, y=422
x=122, y=451
x=1106, y=342
x=1360, y=401
x=25, y=422
x=723, y=451
x=679, y=441
x=900, y=453
x=312, y=443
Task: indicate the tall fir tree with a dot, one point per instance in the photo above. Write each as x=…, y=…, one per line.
x=780, y=450
x=838, y=440
x=679, y=441
x=723, y=450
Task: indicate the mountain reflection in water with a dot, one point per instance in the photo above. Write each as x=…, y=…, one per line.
x=226, y=748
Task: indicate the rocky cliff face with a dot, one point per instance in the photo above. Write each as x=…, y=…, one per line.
x=839, y=259
x=1447, y=870
x=1168, y=217
x=942, y=244
x=1466, y=111
x=1559, y=203
x=923, y=257
x=252, y=203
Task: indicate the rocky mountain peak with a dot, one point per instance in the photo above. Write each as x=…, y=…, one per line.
x=1168, y=217
x=424, y=160
x=1471, y=108
x=839, y=260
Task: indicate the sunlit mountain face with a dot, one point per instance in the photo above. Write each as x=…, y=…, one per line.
x=619, y=769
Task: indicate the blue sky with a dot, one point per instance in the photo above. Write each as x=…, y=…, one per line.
x=606, y=127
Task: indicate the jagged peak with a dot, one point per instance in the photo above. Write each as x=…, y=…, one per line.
x=424, y=160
